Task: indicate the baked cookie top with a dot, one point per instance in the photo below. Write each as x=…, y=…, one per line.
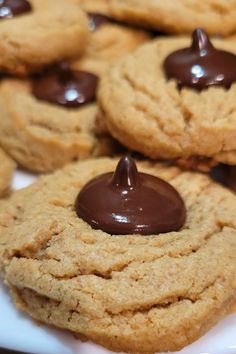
x=182, y=16
x=50, y=32
x=129, y=293
x=149, y=113
x=99, y=6
x=42, y=136
x=109, y=39
x=107, y=44
x=6, y=172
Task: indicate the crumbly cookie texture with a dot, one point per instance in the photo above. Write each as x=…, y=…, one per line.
x=41, y=136
x=215, y=16
x=128, y=293
x=50, y=33
x=148, y=113
x=107, y=45
x=6, y=171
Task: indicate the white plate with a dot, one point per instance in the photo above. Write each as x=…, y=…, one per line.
x=18, y=332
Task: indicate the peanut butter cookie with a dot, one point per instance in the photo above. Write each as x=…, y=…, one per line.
x=44, y=32
x=129, y=293
x=41, y=135
x=109, y=41
x=182, y=16
x=98, y=6
x=164, y=117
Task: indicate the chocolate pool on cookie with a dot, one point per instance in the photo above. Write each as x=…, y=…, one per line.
x=201, y=65
x=130, y=202
x=12, y=8
x=65, y=87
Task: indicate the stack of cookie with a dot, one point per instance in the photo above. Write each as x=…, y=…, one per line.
x=138, y=256
x=49, y=118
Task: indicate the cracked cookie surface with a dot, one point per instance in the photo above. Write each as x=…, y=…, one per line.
x=6, y=171
x=129, y=293
x=50, y=33
x=148, y=113
x=41, y=136
x=183, y=16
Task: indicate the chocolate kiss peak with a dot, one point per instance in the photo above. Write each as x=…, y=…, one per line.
x=12, y=8
x=126, y=175
x=63, y=86
x=201, y=65
x=130, y=202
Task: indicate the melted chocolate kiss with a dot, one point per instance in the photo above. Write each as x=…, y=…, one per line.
x=201, y=65
x=65, y=87
x=97, y=20
x=11, y=8
x=128, y=202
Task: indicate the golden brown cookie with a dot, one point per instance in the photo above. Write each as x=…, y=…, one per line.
x=42, y=136
x=6, y=171
x=197, y=164
x=215, y=16
x=49, y=33
x=108, y=43
x=148, y=113
x=128, y=293
x=221, y=173
x=99, y=6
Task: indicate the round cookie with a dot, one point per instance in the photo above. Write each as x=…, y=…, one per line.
x=128, y=293
x=6, y=171
x=108, y=43
x=49, y=33
x=148, y=113
x=42, y=136
x=215, y=16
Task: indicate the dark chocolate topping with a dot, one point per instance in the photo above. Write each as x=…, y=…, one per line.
x=97, y=20
x=128, y=202
x=201, y=65
x=12, y=8
x=61, y=85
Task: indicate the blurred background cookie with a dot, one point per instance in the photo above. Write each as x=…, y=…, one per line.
x=51, y=119
x=108, y=42
x=98, y=6
x=44, y=32
x=181, y=16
